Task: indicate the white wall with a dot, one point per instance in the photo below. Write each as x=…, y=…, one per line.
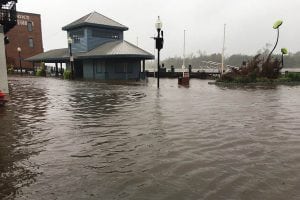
x=3, y=68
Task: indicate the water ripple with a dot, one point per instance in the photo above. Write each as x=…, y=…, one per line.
x=94, y=140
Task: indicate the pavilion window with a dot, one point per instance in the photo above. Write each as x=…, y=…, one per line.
x=105, y=34
x=100, y=66
x=76, y=35
x=123, y=68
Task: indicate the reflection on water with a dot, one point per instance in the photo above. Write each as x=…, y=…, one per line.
x=93, y=140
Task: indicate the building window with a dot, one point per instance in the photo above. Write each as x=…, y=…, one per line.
x=77, y=35
x=31, y=44
x=100, y=67
x=76, y=39
x=105, y=34
x=123, y=68
x=29, y=26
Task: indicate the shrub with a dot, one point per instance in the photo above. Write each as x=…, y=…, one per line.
x=293, y=76
x=257, y=68
x=242, y=79
x=67, y=74
x=228, y=77
x=10, y=69
x=42, y=70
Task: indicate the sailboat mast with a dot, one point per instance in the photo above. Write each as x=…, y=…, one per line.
x=183, y=66
x=223, y=50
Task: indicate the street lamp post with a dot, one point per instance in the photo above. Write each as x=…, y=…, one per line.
x=276, y=26
x=70, y=41
x=159, y=44
x=284, y=51
x=20, y=61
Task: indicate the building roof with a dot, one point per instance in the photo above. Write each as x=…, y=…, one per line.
x=114, y=49
x=95, y=19
x=54, y=55
x=119, y=48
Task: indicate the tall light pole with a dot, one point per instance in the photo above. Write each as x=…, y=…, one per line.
x=276, y=26
x=159, y=44
x=20, y=61
x=70, y=41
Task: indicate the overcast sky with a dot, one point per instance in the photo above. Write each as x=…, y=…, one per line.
x=249, y=22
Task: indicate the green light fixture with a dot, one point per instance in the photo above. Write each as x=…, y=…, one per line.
x=284, y=51
x=277, y=24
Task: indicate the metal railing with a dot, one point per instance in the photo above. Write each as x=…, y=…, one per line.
x=8, y=14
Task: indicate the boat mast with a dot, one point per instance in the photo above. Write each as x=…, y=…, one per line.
x=223, y=50
x=183, y=64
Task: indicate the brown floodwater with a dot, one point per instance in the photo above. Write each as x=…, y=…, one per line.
x=93, y=140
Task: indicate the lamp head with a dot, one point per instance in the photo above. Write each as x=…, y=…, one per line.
x=70, y=40
x=284, y=51
x=19, y=49
x=158, y=24
x=277, y=24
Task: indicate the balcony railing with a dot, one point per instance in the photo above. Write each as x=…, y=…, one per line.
x=8, y=14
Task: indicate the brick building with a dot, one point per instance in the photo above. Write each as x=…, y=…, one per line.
x=27, y=35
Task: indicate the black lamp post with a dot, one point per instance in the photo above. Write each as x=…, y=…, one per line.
x=159, y=40
x=70, y=41
x=20, y=61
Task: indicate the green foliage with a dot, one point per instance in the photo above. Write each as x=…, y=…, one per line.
x=10, y=69
x=42, y=70
x=293, y=76
x=67, y=74
x=242, y=79
x=263, y=80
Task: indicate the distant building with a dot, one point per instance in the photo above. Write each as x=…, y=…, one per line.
x=27, y=35
x=99, y=50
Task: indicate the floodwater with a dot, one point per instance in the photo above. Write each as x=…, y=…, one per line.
x=91, y=140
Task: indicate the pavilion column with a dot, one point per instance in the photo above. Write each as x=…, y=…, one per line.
x=56, y=69
x=61, y=69
x=33, y=68
x=143, y=66
x=144, y=73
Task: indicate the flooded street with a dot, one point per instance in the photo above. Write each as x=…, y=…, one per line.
x=91, y=140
